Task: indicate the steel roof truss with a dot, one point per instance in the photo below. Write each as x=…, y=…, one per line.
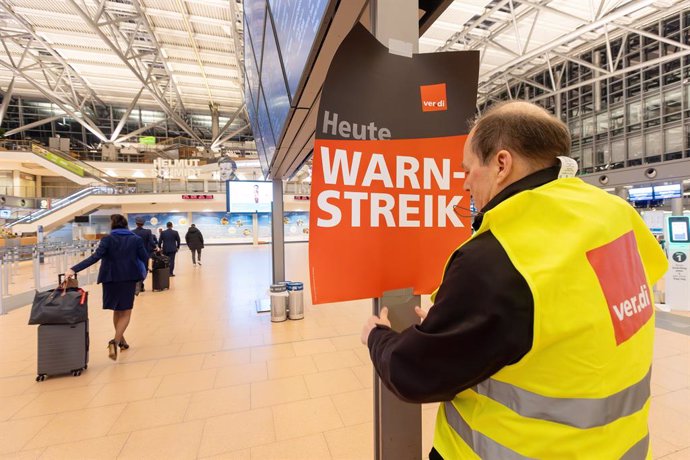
x=150, y=68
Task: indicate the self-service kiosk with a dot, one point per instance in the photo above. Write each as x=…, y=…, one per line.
x=678, y=253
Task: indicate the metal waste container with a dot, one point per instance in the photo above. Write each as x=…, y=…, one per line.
x=279, y=301
x=295, y=300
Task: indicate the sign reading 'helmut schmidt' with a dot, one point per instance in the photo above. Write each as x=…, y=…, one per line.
x=176, y=169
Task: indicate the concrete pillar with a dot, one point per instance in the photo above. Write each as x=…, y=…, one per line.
x=205, y=185
x=215, y=126
x=16, y=184
x=39, y=186
x=676, y=206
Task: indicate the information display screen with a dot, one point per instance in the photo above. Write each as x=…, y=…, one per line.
x=279, y=37
x=249, y=196
x=251, y=75
x=297, y=23
x=662, y=192
x=641, y=194
x=265, y=131
x=273, y=83
x=679, y=229
x=254, y=17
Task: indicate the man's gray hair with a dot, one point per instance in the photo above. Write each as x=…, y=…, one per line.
x=522, y=128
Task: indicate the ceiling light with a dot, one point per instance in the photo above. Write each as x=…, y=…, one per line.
x=207, y=210
x=174, y=210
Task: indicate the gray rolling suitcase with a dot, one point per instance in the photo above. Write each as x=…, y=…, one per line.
x=62, y=349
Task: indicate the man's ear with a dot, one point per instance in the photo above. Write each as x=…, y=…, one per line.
x=504, y=165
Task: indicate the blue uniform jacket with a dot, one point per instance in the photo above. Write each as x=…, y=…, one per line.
x=150, y=242
x=122, y=256
x=169, y=241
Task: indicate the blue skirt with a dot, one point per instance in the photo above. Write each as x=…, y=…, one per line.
x=118, y=295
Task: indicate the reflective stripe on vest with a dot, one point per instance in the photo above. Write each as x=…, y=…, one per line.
x=482, y=445
x=486, y=447
x=577, y=412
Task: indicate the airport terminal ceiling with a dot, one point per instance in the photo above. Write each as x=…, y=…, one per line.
x=174, y=59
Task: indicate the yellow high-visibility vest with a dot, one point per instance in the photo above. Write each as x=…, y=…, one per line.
x=583, y=389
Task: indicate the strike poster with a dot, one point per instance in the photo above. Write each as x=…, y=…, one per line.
x=387, y=180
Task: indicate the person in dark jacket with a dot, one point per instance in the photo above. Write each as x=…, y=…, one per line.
x=195, y=242
x=170, y=243
x=123, y=264
x=150, y=243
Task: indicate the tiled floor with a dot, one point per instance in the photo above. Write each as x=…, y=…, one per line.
x=207, y=377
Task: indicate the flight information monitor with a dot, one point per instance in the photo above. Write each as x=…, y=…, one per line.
x=279, y=49
x=297, y=24
x=679, y=229
x=641, y=194
x=662, y=192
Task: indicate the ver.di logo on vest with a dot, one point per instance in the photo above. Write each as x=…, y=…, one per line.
x=621, y=275
x=434, y=97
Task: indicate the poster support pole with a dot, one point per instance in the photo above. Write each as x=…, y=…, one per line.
x=277, y=232
x=397, y=424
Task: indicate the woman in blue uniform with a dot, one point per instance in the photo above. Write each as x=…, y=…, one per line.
x=123, y=264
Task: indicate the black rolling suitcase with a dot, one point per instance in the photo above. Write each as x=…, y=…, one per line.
x=160, y=279
x=160, y=265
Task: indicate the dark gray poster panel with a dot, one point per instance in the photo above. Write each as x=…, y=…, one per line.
x=387, y=176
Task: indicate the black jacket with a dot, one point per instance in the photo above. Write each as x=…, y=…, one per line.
x=481, y=321
x=145, y=234
x=122, y=257
x=194, y=238
x=169, y=241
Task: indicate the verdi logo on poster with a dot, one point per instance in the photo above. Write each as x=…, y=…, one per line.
x=434, y=97
x=387, y=176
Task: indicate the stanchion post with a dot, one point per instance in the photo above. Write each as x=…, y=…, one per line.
x=2, y=291
x=6, y=273
x=37, y=270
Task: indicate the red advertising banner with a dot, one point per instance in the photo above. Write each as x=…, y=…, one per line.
x=387, y=181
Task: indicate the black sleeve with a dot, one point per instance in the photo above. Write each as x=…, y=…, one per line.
x=481, y=321
x=177, y=239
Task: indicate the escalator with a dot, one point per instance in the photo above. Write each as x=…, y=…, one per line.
x=71, y=166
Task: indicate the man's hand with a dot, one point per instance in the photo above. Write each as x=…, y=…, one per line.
x=372, y=322
x=69, y=273
x=421, y=313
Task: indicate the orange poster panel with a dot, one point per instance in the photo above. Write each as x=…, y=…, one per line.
x=384, y=214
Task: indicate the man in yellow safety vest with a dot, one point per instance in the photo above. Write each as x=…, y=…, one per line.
x=539, y=341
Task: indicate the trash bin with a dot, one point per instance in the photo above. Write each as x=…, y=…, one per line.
x=295, y=300
x=279, y=301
